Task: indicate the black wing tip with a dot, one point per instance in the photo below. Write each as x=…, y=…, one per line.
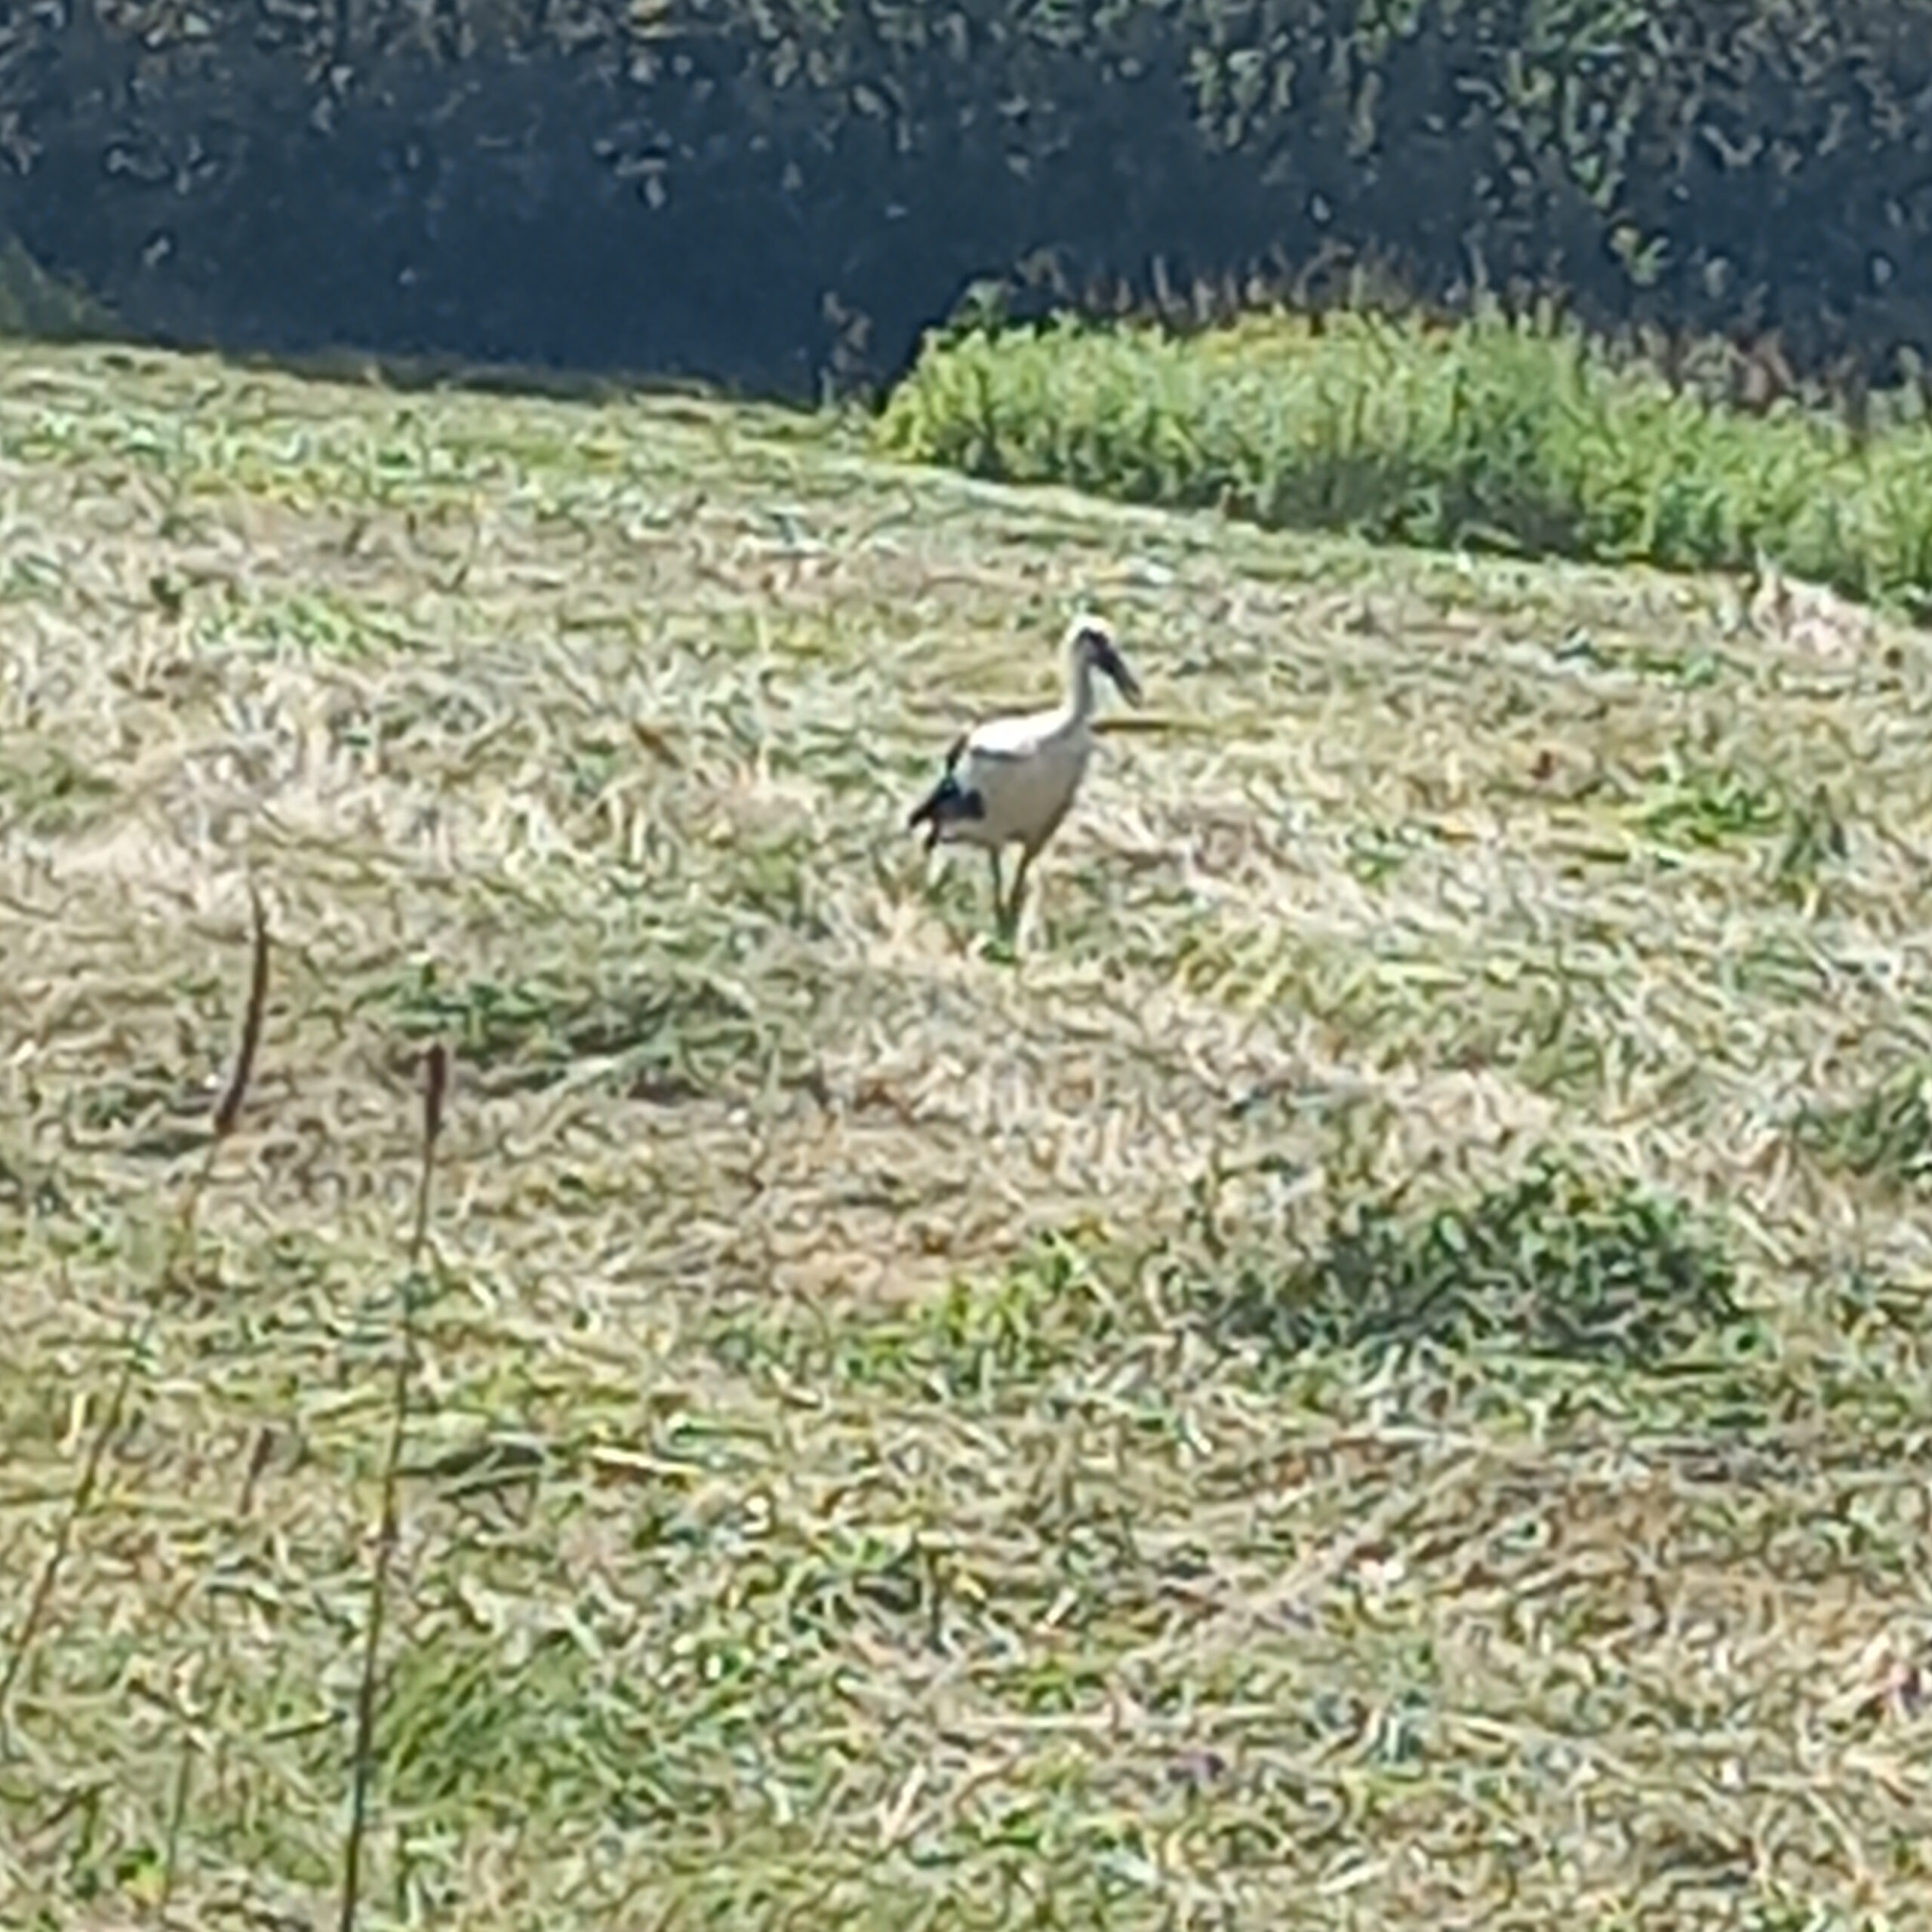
x=947, y=802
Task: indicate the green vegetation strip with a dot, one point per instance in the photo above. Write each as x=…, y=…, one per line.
x=1501, y=435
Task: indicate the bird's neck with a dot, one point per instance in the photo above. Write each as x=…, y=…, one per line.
x=1080, y=688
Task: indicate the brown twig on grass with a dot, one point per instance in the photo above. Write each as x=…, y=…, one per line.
x=226, y=1114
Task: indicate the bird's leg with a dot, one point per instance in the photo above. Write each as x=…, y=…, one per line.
x=999, y=913
x=1018, y=891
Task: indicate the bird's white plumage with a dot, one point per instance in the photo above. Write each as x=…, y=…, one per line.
x=1025, y=770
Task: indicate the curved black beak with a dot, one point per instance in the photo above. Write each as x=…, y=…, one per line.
x=1111, y=661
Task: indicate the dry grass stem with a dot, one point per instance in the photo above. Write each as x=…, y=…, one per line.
x=141, y=1329
x=229, y=1109
x=435, y=1084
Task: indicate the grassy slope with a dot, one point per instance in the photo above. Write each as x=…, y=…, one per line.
x=840, y=1599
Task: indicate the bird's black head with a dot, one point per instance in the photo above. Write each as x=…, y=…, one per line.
x=1095, y=643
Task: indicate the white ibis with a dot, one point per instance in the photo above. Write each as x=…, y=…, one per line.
x=1011, y=780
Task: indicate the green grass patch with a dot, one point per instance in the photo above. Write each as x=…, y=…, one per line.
x=1501, y=434
x=1883, y=1134
x=44, y=790
x=1553, y=1263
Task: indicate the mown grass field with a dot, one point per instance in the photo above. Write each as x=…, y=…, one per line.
x=981, y=1442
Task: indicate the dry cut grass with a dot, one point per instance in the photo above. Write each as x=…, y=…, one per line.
x=1374, y=1376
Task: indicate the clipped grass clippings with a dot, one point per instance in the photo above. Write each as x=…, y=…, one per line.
x=1235, y=1414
